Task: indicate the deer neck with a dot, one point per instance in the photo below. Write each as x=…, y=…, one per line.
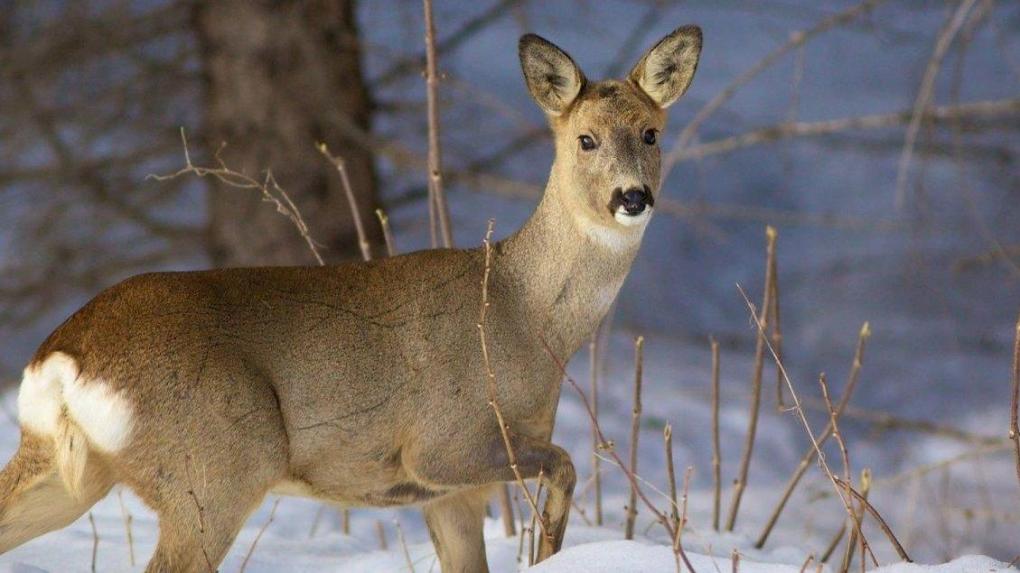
x=565, y=271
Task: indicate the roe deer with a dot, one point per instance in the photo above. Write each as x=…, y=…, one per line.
x=358, y=384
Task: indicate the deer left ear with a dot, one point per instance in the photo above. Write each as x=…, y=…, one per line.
x=665, y=71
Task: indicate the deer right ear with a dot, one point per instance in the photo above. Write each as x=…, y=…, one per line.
x=553, y=79
x=665, y=72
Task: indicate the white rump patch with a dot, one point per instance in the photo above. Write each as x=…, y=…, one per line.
x=40, y=398
x=50, y=386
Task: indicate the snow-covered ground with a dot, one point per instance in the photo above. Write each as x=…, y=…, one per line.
x=286, y=544
x=935, y=527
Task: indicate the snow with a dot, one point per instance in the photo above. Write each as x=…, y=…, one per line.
x=288, y=543
x=286, y=546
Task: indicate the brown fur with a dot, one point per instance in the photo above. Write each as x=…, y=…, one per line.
x=360, y=384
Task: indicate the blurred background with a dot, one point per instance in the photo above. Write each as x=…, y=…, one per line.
x=880, y=138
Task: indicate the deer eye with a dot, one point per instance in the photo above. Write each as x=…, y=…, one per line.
x=587, y=143
x=649, y=136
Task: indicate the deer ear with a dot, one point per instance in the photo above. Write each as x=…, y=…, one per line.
x=553, y=79
x=665, y=71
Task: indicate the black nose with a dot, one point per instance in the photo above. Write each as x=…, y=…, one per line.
x=636, y=199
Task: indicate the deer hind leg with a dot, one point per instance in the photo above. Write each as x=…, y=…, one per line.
x=490, y=464
x=455, y=524
x=205, y=463
x=202, y=501
x=193, y=540
x=34, y=498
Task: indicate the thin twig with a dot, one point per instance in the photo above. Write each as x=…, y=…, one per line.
x=580, y=512
x=506, y=510
x=380, y=532
x=777, y=330
x=831, y=548
x=716, y=449
x=809, y=454
x=883, y=421
x=807, y=563
x=403, y=545
x=844, y=453
x=128, y=520
x=667, y=438
x=466, y=31
x=352, y=202
x=438, y=196
x=523, y=524
x=95, y=541
x=851, y=544
x=856, y=531
x=1014, y=424
x=268, y=187
x=759, y=362
x=608, y=446
x=258, y=536
x=315, y=520
x=532, y=551
x=683, y=506
x=635, y=430
x=839, y=485
x=878, y=517
x=796, y=40
x=384, y=222
x=596, y=472
x=992, y=109
x=490, y=379
x=924, y=93
x=198, y=504
x=797, y=407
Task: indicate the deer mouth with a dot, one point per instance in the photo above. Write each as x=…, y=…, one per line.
x=628, y=219
x=632, y=206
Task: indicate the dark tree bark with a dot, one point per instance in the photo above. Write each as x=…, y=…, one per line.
x=281, y=76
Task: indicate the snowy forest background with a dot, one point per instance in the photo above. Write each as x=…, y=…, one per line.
x=919, y=235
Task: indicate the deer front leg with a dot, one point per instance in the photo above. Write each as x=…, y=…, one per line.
x=476, y=465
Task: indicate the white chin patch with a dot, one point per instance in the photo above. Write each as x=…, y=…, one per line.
x=627, y=220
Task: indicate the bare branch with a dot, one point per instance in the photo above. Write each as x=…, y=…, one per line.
x=924, y=94
x=796, y=40
x=667, y=438
x=359, y=227
x=635, y=431
x=490, y=381
x=268, y=187
x=839, y=485
x=759, y=362
x=716, y=449
x=95, y=541
x=128, y=520
x=596, y=471
x=609, y=447
x=1014, y=415
x=258, y=536
x=436, y=192
x=809, y=454
x=992, y=109
x=384, y=222
x=453, y=41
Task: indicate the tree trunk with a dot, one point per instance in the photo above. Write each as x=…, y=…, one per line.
x=280, y=77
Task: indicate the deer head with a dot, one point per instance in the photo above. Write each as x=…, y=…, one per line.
x=607, y=164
